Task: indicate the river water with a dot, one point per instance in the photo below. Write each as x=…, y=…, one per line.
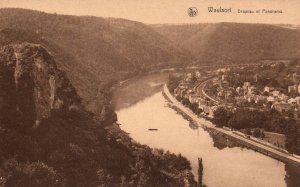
x=140, y=105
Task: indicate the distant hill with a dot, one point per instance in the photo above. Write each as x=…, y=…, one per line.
x=92, y=51
x=234, y=42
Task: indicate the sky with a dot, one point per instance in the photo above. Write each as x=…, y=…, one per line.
x=168, y=11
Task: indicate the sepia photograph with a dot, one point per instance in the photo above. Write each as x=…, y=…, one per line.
x=149, y=93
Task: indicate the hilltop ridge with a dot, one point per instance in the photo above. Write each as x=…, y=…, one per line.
x=234, y=42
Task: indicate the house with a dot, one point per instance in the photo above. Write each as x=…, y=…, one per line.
x=194, y=98
x=292, y=101
x=268, y=89
x=224, y=84
x=246, y=85
x=250, y=99
x=251, y=89
x=197, y=74
x=224, y=77
x=282, y=107
x=215, y=81
x=296, y=78
x=260, y=99
x=297, y=100
x=238, y=90
x=221, y=93
x=209, y=110
x=228, y=94
x=293, y=89
x=223, y=70
x=183, y=85
x=240, y=99
x=202, y=103
x=275, y=93
x=283, y=97
x=189, y=77
x=180, y=91
x=190, y=91
x=271, y=99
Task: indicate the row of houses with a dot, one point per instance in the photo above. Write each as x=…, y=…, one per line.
x=187, y=90
x=294, y=88
x=204, y=104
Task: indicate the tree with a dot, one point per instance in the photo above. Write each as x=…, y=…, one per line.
x=222, y=116
x=238, y=122
x=173, y=82
x=194, y=107
x=293, y=138
x=185, y=101
x=257, y=133
x=31, y=174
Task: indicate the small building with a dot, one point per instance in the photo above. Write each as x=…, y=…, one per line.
x=297, y=100
x=251, y=89
x=260, y=99
x=224, y=84
x=271, y=99
x=276, y=93
x=189, y=77
x=293, y=88
x=194, y=98
x=268, y=89
x=197, y=74
x=215, y=81
x=246, y=85
x=238, y=90
x=292, y=101
x=224, y=77
x=296, y=78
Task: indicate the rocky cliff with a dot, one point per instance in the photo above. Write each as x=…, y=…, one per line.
x=31, y=86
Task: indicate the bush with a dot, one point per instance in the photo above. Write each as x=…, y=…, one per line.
x=257, y=133
x=30, y=174
x=222, y=116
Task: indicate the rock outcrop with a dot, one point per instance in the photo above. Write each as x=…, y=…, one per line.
x=31, y=86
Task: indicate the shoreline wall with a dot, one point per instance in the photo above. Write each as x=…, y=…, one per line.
x=284, y=159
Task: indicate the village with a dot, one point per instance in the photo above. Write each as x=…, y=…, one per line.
x=212, y=89
x=256, y=101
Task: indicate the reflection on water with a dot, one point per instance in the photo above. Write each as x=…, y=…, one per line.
x=138, y=89
x=225, y=164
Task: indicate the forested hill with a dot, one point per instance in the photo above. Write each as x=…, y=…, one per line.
x=48, y=139
x=92, y=51
x=53, y=67
x=234, y=42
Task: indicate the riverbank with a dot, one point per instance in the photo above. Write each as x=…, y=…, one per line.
x=256, y=146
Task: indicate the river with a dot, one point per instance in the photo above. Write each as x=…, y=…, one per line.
x=140, y=105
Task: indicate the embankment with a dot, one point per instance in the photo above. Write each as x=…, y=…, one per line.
x=254, y=145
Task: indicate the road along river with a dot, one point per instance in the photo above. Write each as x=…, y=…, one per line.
x=140, y=105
